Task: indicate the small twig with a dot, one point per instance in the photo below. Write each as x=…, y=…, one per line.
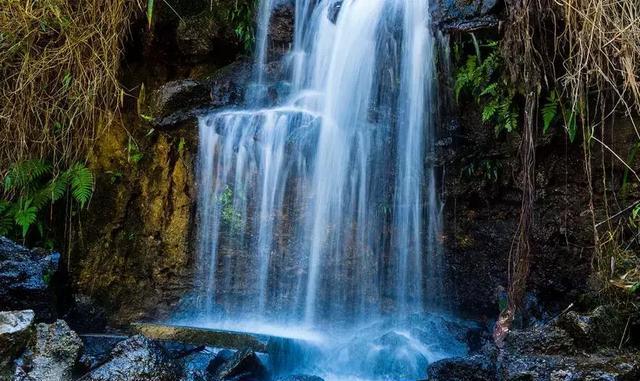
x=624, y=334
x=619, y=213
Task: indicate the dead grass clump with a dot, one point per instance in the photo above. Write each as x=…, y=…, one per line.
x=58, y=75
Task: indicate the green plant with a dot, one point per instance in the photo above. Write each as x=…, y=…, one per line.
x=484, y=79
x=230, y=217
x=29, y=186
x=241, y=17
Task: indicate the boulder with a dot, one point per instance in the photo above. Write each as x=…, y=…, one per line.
x=243, y=365
x=474, y=368
x=16, y=330
x=85, y=315
x=219, y=360
x=604, y=326
x=136, y=358
x=53, y=356
x=176, y=102
x=199, y=36
x=25, y=279
x=466, y=16
x=547, y=340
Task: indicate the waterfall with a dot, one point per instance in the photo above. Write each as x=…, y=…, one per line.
x=322, y=211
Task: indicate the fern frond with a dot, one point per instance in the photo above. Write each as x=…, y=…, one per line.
x=25, y=215
x=550, y=111
x=23, y=174
x=81, y=180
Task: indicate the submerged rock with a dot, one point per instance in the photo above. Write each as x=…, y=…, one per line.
x=136, y=358
x=16, y=330
x=25, y=279
x=243, y=365
x=54, y=355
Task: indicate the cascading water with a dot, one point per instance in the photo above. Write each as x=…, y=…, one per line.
x=322, y=212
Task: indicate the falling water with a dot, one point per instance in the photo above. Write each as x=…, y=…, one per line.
x=322, y=212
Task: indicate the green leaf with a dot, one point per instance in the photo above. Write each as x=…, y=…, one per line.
x=572, y=126
x=23, y=174
x=489, y=111
x=150, y=4
x=550, y=110
x=25, y=215
x=81, y=180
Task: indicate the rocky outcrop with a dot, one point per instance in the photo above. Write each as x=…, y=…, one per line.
x=474, y=368
x=53, y=356
x=551, y=352
x=466, y=15
x=26, y=278
x=136, y=358
x=16, y=331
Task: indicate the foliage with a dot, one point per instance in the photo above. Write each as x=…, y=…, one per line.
x=230, y=217
x=29, y=186
x=241, y=16
x=551, y=112
x=483, y=80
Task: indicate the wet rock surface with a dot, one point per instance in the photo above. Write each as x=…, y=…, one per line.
x=26, y=278
x=474, y=368
x=548, y=352
x=16, y=331
x=466, y=16
x=136, y=358
x=243, y=365
x=85, y=315
x=53, y=356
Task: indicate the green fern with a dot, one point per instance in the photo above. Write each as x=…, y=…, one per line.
x=81, y=180
x=29, y=187
x=23, y=174
x=550, y=110
x=26, y=215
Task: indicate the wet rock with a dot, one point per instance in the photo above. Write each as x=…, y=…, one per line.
x=53, y=356
x=86, y=316
x=16, y=330
x=334, y=11
x=177, y=101
x=466, y=16
x=624, y=367
x=136, y=358
x=548, y=340
x=25, y=279
x=281, y=28
x=475, y=368
x=228, y=85
x=199, y=36
x=395, y=356
x=219, y=360
x=97, y=349
x=299, y=377
x=243, y=365
x=602, y=327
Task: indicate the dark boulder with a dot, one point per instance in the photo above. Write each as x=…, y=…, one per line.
x=201, y=35
x=86, y=316
x=219, y=360
x=229, y=84
x=474, y=368
x=243, y=365
x=25, y=279
x=53, y=356
x=136, y=358
x=16, y=331
x=177, y=102
x=548, y=340
x=604, y=326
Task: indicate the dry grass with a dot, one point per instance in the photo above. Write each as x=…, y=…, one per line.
x=59, y=61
